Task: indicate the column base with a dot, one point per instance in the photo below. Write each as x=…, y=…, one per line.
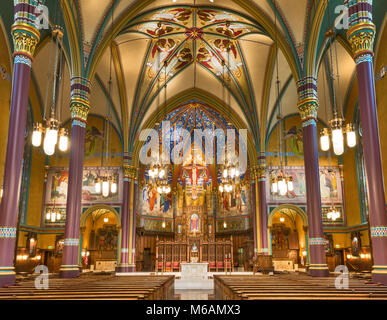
x=377, y=277
x=69, y=272
x=125, y=269
x=323, y=272
x=7, y=280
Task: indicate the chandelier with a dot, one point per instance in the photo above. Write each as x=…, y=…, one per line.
x=107, y=182
x=281, y=183
x=51, y=129
x=337, y=128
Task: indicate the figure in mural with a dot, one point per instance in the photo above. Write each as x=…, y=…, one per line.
x=59, y=185
x=179, y=15
x=163, y=48
x=93, y=135
x=194, y=223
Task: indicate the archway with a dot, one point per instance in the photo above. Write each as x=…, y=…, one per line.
x=288, y=234
x=100, y=228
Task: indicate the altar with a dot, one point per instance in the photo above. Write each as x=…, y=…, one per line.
x=194, y=276
x=194, y=271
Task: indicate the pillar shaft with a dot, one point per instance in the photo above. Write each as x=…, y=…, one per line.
x=128, y=221
x=308, y=105
x=361, y=35
x=254, y=209
x=261, y=180
x=25, y=37
x=79, y=110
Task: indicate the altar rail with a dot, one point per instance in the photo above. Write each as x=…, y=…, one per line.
x=89, y=287
x=170, y=254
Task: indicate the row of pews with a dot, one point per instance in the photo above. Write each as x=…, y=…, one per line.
x=91, y=287
x=293, y=287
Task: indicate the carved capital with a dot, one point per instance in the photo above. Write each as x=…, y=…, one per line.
x=130, y=172
x=80, y=103
x=79, y=110
x=24, y=42
x=308, y=109
x=307, y=98
x=361, y=37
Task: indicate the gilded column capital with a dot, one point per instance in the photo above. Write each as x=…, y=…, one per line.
x=361, y=32
x=307, y=100
x=130, y=172
x=24, y=31
x=362, y=38
x=80, y=103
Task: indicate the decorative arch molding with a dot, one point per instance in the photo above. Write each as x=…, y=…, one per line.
x=90, y=210
x=293, y=207
x=205, y=98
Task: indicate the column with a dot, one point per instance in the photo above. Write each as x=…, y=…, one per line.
x=128, y=222
x=261, y=180
x=79, y=105
x=253, y=192
x=361, y=36
x=25, y=38
x=307, y=106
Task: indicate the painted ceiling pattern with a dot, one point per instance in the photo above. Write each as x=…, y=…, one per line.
x=184, y=35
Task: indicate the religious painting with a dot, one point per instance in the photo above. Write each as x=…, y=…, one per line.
x=107, y=238
x=179, y=228
x=355, y=243
x=93, y=136
x=153, y=203
x=329, y=186
x=194, y=223
x=57, y=185
x=235, y=203
x=294, y=134
x=59, y=243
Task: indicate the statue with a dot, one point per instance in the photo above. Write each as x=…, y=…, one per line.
x=194, y=223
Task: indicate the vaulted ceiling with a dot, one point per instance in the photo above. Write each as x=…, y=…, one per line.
x=226, y=49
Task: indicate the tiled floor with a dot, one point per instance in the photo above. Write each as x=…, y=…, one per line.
x=194, y=295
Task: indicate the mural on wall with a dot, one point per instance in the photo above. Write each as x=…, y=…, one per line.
x=329, y=184
x=236, y=224
x=57, y=184
x=236, y=202
x=155, y=204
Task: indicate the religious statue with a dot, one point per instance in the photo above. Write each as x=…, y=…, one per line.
x=194, y=223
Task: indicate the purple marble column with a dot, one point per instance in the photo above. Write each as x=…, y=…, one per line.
x=25, y=37
x=254, y=211
x=261, y=176
x=308, y=105
x=79, y=110
x=125, y=214
x=133, y=226
x=361, y=36
x=128, y=220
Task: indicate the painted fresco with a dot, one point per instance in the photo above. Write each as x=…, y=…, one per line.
x=180, y=34
x=57, y=185
x=234, y=203
x=329, y=184
x=154, y=204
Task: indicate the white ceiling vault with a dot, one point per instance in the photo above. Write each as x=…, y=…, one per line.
x=175, y=36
